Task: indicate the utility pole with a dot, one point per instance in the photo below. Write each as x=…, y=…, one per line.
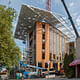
x=70, y=18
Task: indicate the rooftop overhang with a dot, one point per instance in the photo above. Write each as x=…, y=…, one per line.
x=29, y=16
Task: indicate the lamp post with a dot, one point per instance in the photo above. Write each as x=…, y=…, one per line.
x=48, y=68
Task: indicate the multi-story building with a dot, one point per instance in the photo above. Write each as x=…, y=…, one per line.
x=46, y=43
x=70, y=47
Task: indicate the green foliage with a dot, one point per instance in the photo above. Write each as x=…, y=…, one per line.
x=69, y=71
x=8, y=48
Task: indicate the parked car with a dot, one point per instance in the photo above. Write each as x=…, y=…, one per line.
x=45, y=72
x=52, y=71
x=3, y=73
x=61, y=72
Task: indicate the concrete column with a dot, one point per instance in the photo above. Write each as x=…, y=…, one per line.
x=37, y=66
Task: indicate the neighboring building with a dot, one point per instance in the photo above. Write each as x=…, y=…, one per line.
x=76, y=62
x=46, y=43
x=70, y=47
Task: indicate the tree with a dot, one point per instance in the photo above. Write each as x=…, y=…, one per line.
x=8, y=48
x=69, y=71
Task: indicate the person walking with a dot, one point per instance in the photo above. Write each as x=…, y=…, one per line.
x=18, y=75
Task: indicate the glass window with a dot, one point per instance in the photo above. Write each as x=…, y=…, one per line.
x=43, y=55
x=43, y=25
x=46, y=65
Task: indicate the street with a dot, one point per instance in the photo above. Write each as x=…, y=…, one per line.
x=50, y=79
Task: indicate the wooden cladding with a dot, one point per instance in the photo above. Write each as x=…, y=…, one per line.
x=52, y=43
x=56, y=46
x=39, y=39
x=47, y=42
x=38, y=42
x=43, y=45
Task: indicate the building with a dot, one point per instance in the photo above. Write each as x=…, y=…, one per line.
x=46, y=42
x=76, y=62
x=70, y=47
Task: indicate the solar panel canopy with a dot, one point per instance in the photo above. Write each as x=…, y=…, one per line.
x=29, y=16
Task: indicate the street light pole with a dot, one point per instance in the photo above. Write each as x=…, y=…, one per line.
x=48, y=68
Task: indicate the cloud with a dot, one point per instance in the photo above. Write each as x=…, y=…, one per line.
x=78, y=21
x=71, y=4
x=57, y=1
x=42, y=1
x=74, y=14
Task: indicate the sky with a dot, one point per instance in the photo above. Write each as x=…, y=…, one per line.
x=56, y=6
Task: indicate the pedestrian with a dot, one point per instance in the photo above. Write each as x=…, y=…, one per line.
x=21, y=76
x=18, y=75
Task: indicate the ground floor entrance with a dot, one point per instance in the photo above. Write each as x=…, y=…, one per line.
x=78, y=71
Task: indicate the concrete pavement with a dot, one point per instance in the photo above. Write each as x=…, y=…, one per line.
x=50, y=79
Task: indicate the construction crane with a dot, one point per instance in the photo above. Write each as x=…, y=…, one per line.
x=48, y=5
x=70, y=18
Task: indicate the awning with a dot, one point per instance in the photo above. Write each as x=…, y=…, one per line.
x=75, y=62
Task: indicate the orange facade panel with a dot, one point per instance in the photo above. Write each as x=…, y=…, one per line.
x=58, y=66
x=56, y=46
x=59, y=52
x=52, y=43
x=47, y=42
x=61, y=48
x=43, y=64
x=38, y=42
x=51, y=64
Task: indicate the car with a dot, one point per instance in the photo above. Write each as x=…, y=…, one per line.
x=3, y=73
x=51, y=72
x=61, y=72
